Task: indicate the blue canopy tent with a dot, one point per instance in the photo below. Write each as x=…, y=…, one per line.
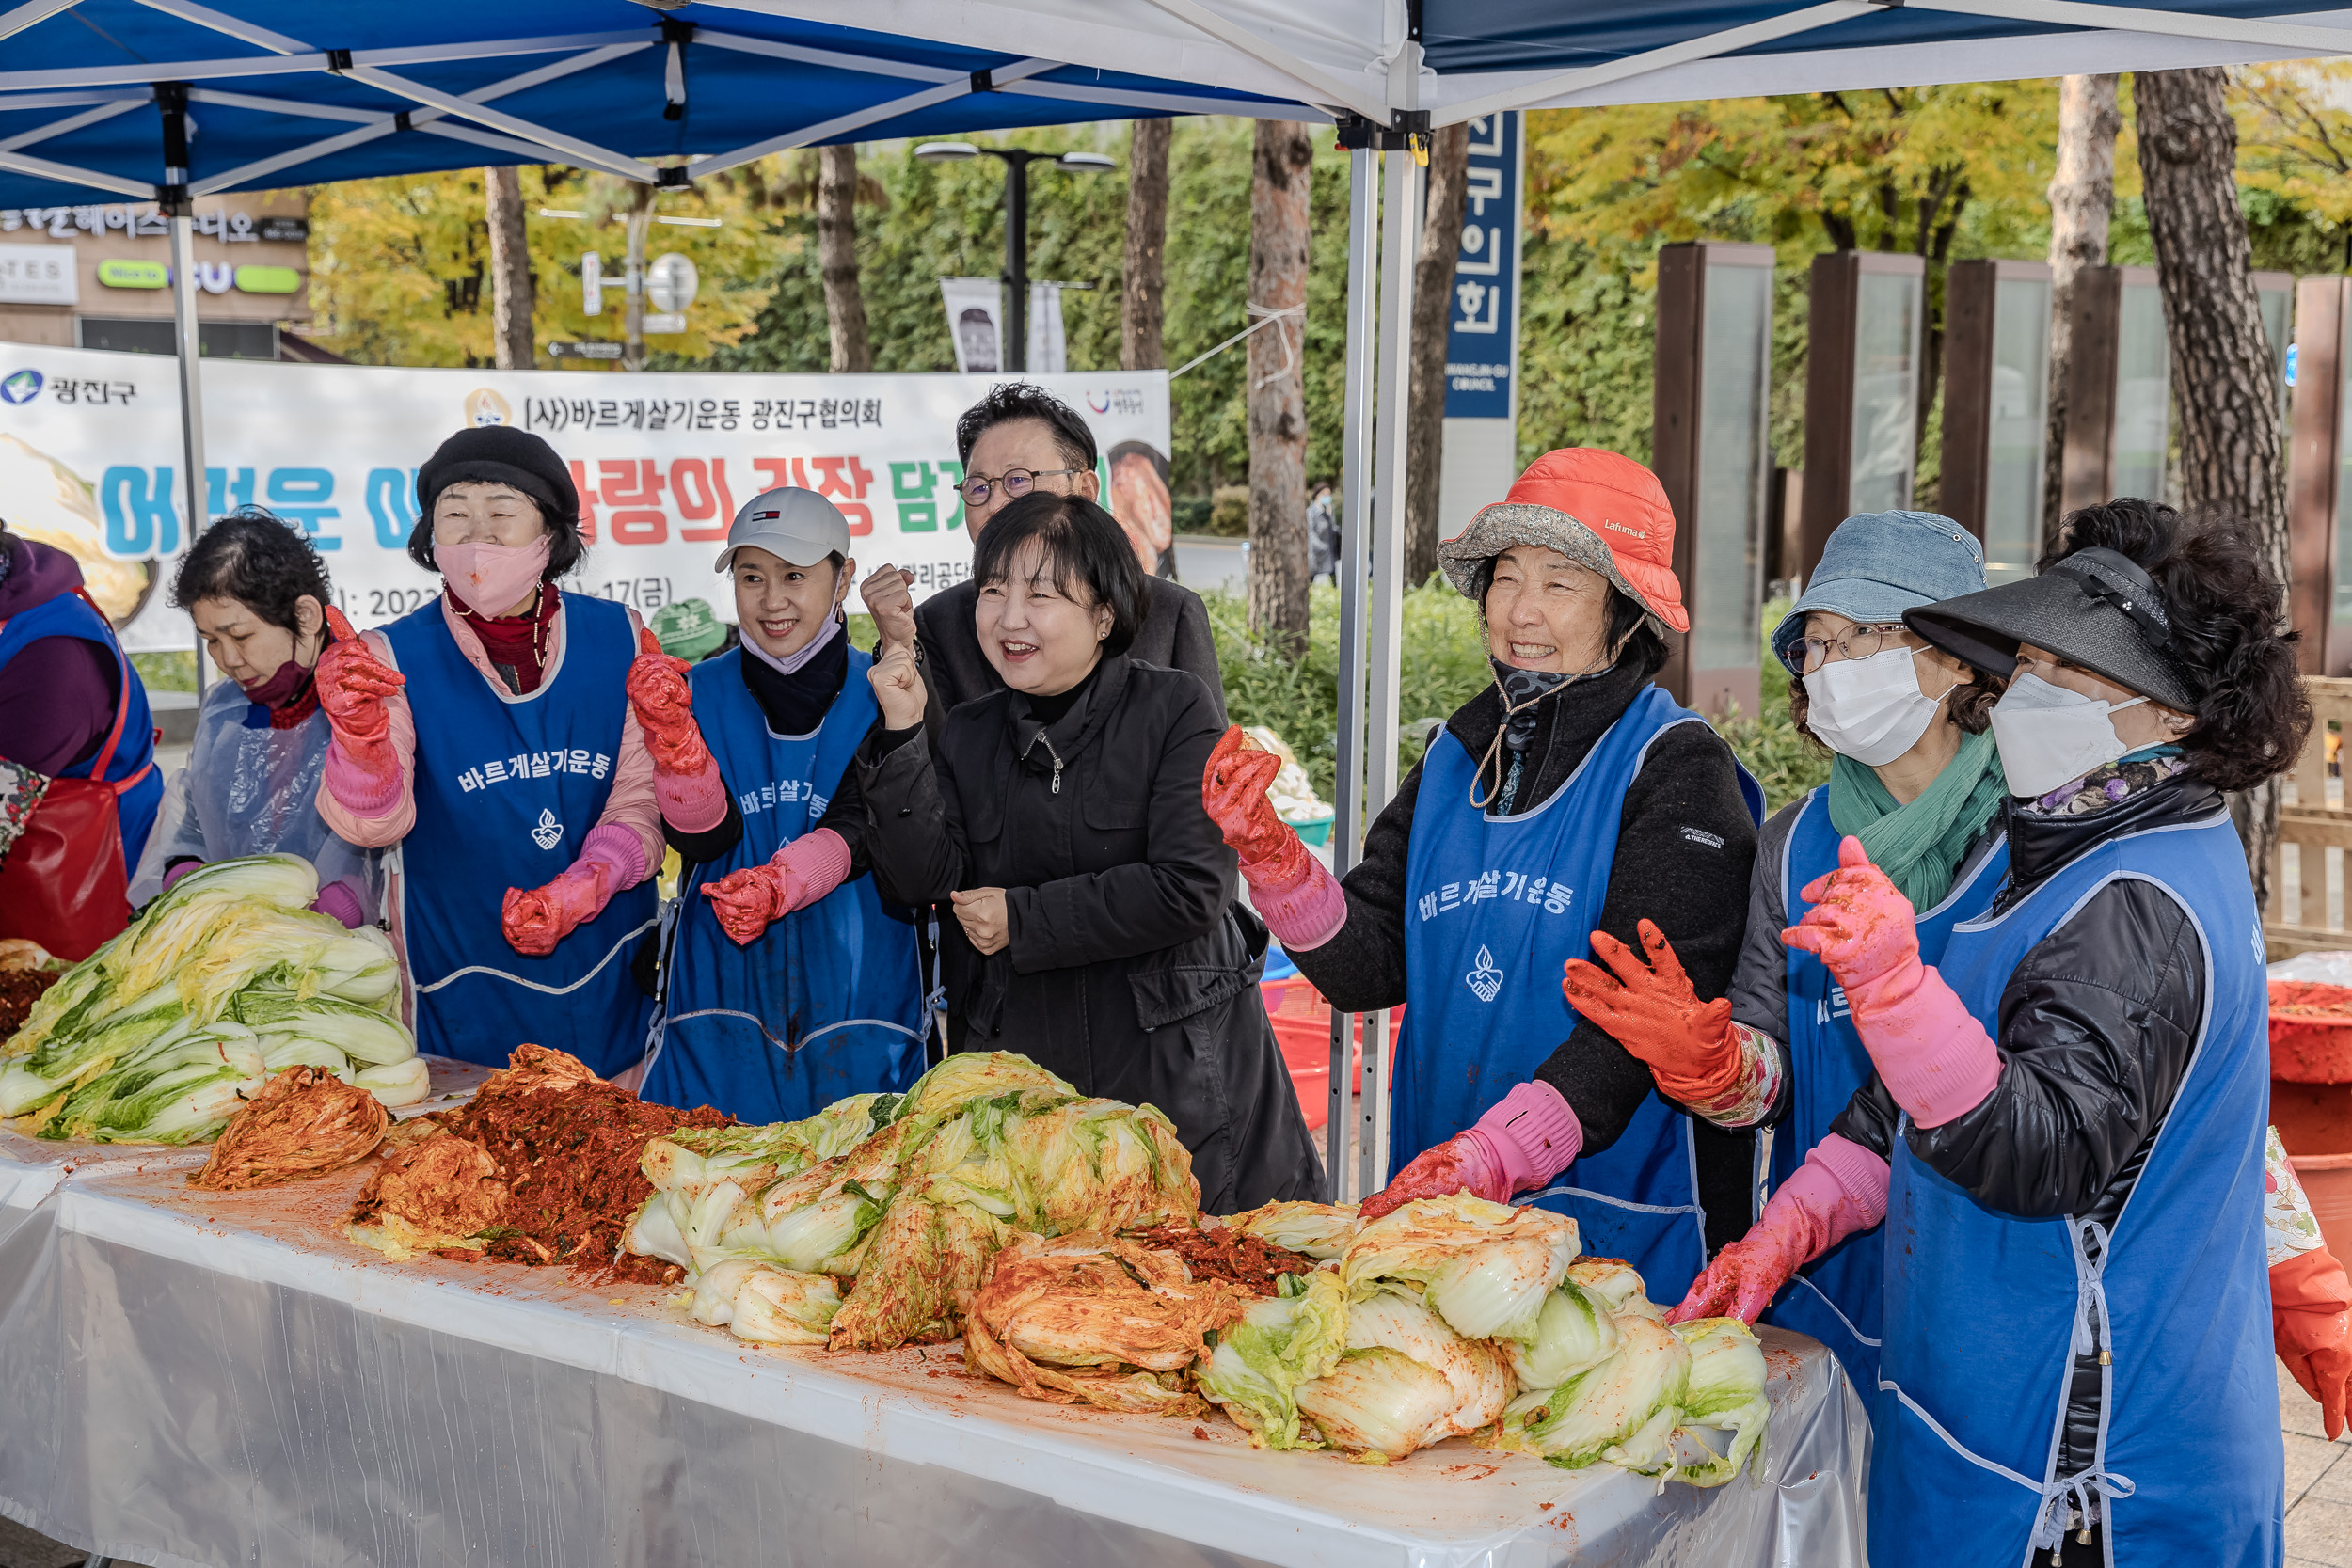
x=167, y=100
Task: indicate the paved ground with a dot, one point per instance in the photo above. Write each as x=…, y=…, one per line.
x=1204, y=561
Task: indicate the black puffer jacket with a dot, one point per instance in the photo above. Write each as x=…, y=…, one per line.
x=2096, y=1029
x=1128, y=968
x=1685, y=843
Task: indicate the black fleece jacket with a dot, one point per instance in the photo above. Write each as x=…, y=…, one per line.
x=1685, y=846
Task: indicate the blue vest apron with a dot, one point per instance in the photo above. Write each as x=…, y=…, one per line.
x=1494, y=907
x=71, y=615
x=828, y=1002
x=506, y=787
x=1836, y=1298
x=1985, y=1312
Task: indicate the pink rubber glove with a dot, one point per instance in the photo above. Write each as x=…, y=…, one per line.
x=611, y=858
x=1523, y=1141
x=179, y=871
x=1840, y=1189
x=1294, y=895
x=338, y=899
x=1932, y=1054
x=795, y=877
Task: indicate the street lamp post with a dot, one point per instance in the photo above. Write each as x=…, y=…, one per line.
x=1013, y=353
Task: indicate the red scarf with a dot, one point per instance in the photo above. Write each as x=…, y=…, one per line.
x=517, y=641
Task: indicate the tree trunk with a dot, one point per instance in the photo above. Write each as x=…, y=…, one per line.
x=1142, y=301
x=2221, y=365
x=836, y=255
x=1433, y=308
x=2082, y=198
x=1279, y=233
x=513, y=294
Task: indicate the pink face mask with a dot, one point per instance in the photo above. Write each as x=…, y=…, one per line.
x=491, y=579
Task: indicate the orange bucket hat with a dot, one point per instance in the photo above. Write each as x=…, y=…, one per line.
x=1602, y=511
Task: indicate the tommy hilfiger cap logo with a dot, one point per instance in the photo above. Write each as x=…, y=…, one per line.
x=766, y=517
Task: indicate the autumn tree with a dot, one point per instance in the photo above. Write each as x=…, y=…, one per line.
x=1143, y=282
x=513, y=294
x=1279, y=234
x=836, y=252
x=2082, y=202
x=1432, y=311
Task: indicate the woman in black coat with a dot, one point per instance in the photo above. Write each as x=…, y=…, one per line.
x=1095, y=930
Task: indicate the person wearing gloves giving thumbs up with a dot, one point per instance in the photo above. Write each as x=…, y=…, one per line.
x=789, y=983
x=488, y=734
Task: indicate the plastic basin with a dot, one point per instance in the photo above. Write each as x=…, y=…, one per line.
x=1302, y=1028
x=2310, y=1032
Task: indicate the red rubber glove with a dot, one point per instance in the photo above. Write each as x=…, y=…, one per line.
x=748, y=901
x=1840, y=1189
x=2311, y=1319
x=352, y=686
x=1657, y=1014
x=664, y=704
x=534, y=921
x=1523, y=1141
x=1300, y=901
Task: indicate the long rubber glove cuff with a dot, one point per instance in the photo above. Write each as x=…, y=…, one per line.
x=1932, y=1054
x=1523, y=1141
x=2311, y=1324
x=1839, y=1190
x=691, y=803
x=748, y=901
x=1297, y=897
x=611, y=858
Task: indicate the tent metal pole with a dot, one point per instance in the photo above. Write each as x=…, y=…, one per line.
x=1400, y=233
x=1363, y=222
x=173, y=200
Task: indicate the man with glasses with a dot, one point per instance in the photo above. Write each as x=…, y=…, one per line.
x=1018, y=439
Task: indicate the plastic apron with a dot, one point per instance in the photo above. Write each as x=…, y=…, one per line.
x=1494, y=907
x=1836, y=1298
x=253, y=790
x=506, y=787
x=1986, y=1312
x=65, y=883
x=828, y=1002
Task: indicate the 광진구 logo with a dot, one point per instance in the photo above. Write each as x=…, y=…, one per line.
x=23, y=386
x=549, y=833
x=1485, y=980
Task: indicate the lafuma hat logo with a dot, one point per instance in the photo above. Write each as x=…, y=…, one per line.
x=1484, y=981
x=549, y=833
x=1620, y=528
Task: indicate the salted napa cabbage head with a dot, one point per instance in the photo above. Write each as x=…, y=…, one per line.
x=1726, y=1392
x=1101, y=1164
x=1477, y=1370
x=765, y=1305
x=396, y=1083
x=1320, y=1230
x=812, y=1237
x=1623, y=1410
x=1483, y=1267
x=357, y=1030
x=1279, y=1343
x=1379, y=1403
x=969, y=1075
x=1574, y=1332
x=1613, y=1283
x=655, y=1232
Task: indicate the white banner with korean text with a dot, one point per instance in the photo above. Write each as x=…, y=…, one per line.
x=89, y=461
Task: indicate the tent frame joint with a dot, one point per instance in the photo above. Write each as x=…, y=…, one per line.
x=984, y=81
x=1406, y=126
x=338, y=61
x=674, y=178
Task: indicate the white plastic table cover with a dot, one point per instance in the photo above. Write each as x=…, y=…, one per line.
x=221, y=1378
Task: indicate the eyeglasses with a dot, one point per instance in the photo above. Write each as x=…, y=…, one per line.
x=1808, y=654
x=1018, y=483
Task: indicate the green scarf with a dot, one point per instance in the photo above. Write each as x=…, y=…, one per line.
x=1919, y=845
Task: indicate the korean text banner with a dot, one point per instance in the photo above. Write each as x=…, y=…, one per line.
x=90, y=454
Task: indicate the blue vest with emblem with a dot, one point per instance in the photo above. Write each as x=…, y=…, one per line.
x=1836, y=1298
x=1985, y=1312
x=136, y=805
x=827, y=1002
x=506, y=787
x=1494, y=907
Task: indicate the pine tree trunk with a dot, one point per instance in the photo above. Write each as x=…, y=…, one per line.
x=837, y=256
x=1278, y=234
x=513, y=294
x=2082, y=198
x=1142, y=303
x=1433, y=308
x=2221, y=365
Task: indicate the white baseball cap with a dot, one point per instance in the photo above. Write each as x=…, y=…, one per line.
x=791, y=524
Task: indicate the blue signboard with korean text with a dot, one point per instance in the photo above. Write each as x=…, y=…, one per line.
x=1483, y=332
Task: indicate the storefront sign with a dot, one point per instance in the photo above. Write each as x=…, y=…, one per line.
x=230, y=227
x=115, y=272
x=38, y=274
x=91, y=450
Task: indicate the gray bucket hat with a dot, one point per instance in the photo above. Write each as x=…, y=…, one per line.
x=2096, y=609
x=1878, y=565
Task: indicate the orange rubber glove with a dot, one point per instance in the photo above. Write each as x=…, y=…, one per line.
x=749, y=900
x=1300, y=901
x=1657, y=1014
x=1840, y=1189
x=664, y=704
x=534, y=920
x=2311, y=1319
x=352, y=686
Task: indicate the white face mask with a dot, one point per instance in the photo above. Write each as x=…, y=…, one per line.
x=1869, y=709
x=2048, y=736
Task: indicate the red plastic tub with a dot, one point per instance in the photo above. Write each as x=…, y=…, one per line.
x=1302, y=1027
x=2310, y=1032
